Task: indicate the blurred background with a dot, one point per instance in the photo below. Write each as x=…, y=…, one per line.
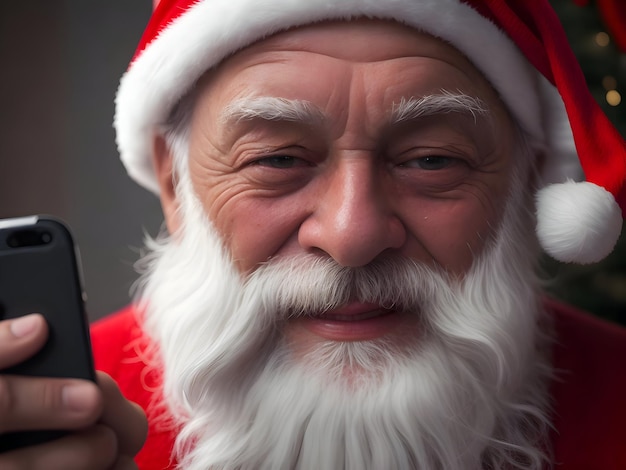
x=61, y=62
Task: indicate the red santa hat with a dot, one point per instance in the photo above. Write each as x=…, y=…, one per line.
x=518, y=45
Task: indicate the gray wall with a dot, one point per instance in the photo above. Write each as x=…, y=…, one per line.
x=61, y=61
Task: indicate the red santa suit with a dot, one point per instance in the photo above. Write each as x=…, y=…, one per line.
x=588, y=393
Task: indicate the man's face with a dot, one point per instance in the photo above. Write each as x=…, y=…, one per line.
x=364, y=295
x=352, y=141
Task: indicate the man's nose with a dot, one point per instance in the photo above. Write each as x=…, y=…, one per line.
x=353, y=220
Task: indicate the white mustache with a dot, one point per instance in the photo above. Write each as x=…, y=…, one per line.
x=311, y=285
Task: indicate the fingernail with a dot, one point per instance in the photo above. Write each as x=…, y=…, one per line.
x=25, y=325
x=78, y=397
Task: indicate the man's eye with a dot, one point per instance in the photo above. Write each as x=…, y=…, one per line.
x=429, y=163
x=279, y=161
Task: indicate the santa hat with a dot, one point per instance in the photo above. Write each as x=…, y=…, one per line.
x=518, y=45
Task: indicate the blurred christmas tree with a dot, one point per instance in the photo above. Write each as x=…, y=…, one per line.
x=597, y=33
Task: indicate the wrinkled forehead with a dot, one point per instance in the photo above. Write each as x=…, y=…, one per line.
x=363, y=41
x=389, y=38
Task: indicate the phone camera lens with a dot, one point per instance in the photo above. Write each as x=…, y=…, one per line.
x=30, y=237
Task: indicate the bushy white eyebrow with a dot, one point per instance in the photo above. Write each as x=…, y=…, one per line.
x=271, y=108
x=441, y=103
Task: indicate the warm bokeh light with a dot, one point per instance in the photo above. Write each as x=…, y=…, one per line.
x=609, y=83
x=613, y=97
x=602, y=39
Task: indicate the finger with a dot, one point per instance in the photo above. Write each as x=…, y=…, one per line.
x=20, y=338
x=93, y=449
x=28, y=403
x=126, y=418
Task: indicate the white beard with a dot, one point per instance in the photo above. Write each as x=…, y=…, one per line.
x=470, y=392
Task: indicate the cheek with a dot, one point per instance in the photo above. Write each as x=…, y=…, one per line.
x=454, y=233
x=256, y=229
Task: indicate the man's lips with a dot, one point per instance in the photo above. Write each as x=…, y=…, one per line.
x=355, y=321
x=355, y=311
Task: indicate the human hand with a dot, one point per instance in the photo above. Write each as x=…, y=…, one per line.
x=106, y=430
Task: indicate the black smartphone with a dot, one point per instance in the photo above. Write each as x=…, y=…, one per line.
x=40, y=273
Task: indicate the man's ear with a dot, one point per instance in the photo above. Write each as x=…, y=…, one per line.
x=163, y=164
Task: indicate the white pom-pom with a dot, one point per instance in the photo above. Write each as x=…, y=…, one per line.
x=577, y=222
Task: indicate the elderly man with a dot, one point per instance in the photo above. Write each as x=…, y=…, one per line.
x=356, y=192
